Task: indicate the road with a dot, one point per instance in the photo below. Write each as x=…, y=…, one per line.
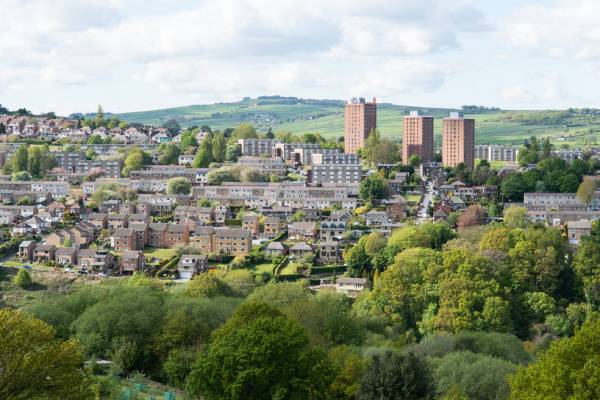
x=426, y=201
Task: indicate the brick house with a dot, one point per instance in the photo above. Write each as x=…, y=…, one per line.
x=157, y=235
x=132, y=261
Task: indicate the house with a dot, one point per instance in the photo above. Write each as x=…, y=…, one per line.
x=66, y=256
x=351, y=287
x=124, y=239
x=116, y=221
x=58, y=238
x=132, y=261
x=90, y=259
x=177, y=235
x=396, y=209
x=99, y=220
x=44, y=252
x=275, y=249
x=232, y=241
x=157, y=235
x=222, y=213
x=340, y=216
x=272, y=227
x=329, y=251
x=577, y=229
x=190, y=265
x=302, y=230
x=456, y=203
x=138, y=219
x=375, y=218
x=251, y=223
x=202, y=238
x=300, y=250
x=26, y=249
x=141, y=234
x=332, y=230
x=442, y=212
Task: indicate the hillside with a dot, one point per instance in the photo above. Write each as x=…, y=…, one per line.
x=572, y=127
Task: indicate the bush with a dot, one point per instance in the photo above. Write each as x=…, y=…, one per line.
x=23, y=279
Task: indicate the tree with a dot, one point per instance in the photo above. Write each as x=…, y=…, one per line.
x=99, y=117
x=478, y=376
x=24, y=201
x=34, y=159
x=568, y=183
x=172, y=126
x=179, y=185
x=515, y=217
x=203, y=155
x=233, y=152
x=374, y=187
x=473, y=216
x=135, y=159
x=396, y=376
x=513, y=187
x=259, y=353
x=244, y=131
x=379, y=150
x=169, y=154
x=567, y=370
x=23, y=279
x=414, y=160
x=20, y=159
x=2, y=129
x=252, y=175
x=219, y=147
x=35, y=365
x=207, y=285
x=21, y=176
x=188, y=140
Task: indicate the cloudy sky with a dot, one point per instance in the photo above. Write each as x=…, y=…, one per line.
x=128, y=55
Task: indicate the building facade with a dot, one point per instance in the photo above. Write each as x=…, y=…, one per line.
x=418, y=137
x=360, y=119
x=458, y=141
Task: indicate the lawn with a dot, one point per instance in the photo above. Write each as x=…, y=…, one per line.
x=163, y=254
x=416, y=198
x=266, y=267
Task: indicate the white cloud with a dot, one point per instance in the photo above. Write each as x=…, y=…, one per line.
x=561, y=29
x=516, y=94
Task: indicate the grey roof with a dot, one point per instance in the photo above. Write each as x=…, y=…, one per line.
x=581, y=224
x=123, y=232
x=301, y=246
x=131, y=254
x=275, y=246
x=157, y=226
x=66, y=250
x=348, y=280
x=26, y=243
x=178, y=228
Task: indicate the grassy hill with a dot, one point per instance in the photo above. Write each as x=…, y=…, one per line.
x=572, y=127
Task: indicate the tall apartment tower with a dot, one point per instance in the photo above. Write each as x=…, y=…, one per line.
x=458, y=140
x=418, y=137
x=360, y=120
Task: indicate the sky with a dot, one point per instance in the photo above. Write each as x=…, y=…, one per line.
x=130, y=55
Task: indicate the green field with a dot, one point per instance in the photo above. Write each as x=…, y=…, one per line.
x=326, y=117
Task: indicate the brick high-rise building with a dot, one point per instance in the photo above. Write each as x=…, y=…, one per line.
x=458, y=140
x=360, y=121
x=418, y=137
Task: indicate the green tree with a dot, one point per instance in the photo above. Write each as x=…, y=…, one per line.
x=233, y=152
x=568, y=370
x=21, y=176
x=188, y=140
x=396, y=376
x=203, y=156
x=585, y=191
x=374, y=187
x=169, y=154
x=20, y=159
x=24, y=201
x=515, y=217
x=135, y=159
x=219, y=147
x=99, y=117
x=414, y=160
x=257, y=354
x=244, y=131
x=23, y=279
x=172, y=126
x=35, y=365
x=207, y=285
x=34, y=158
x=568, y=183
x=179, y=185
x=95, y=139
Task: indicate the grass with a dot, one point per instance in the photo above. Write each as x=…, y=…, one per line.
x=416, y=198
x=327, y=118
x=266, y=267
x=163, y=254
x=290, y=269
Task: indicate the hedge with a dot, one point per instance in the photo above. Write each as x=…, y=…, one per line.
x=327, y=269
